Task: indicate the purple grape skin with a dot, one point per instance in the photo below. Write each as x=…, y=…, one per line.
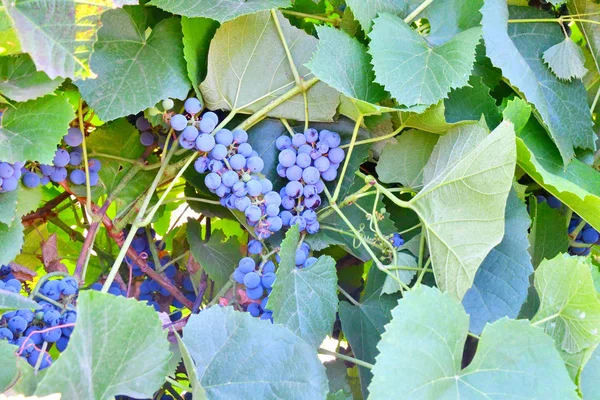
x=142, y=124
x=287, y=158
x=6, y=170
x=146, y=139
x=61, y=158
x=77, y=177
x=178, y=122
x=31, y=180
x=336, y=155
x=94, y=165
x=255, y=164
x=311, y=175
x=283, y=142
x=74, y=137
x=224, y=137
x=192, y=105
x=205, y=142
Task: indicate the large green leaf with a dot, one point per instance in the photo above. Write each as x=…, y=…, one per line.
x=462, y=203
x=577, y=185
x=500, y=285
x=59, y=34
x=548, y=235
x=117, y=347
x=517, y=50
x=422, y=349
x=32, y=130
x=198, y=392
x=197, y=34
x=11, y=240
x=9, y=43
x=119, y=139
x=20, y=81
x=470, y=103
x=404, y=161
x=589, y=29
x=220, y=10
x=218, y=257
x=304, y=300
x=218, y=336
x=366, y=10
x=8, y=206
x=13, y=301
x=566, y=60
x=569, y=304
x=589, y=382
x=411, y=69
x=134, y=71
x=363, y=324
x=9, y=372
x=248, y=67
x=343, y=63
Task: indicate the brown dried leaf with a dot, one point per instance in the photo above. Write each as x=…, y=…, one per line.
x=50, y=257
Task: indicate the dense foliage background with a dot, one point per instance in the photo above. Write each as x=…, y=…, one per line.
x=300, y=199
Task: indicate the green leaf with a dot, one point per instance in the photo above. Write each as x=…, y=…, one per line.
x=462, y=203
x=500, y=285
x=577, y=185
x=337, y=377
x=404, y=161
x=432, y=120
x=119, y=139
x=59, y=35
x=470, y=102
x=8, y=206
x=248, y=68
x=304, y=300
x=11, y=240
x=363, y=324
x=197, y=389
x=413, y=71
x=366, y=10
x=9, y=43
x=197, y=34
x=121, y=341
x=548, y=236
x=589, y=29
x=566, y=60
x=343, y=63
x=9, y=372
x=589, y=377
x=404, y=260
x=219, y=10
x=218, y=257
x=518, y=112
x=422, y=349
x=569, y=306
x=134, y=71
x=20, y=81
x=450, y=17
x=14, y=301
x=294, y=368
x=31, y=130
x=561, y=106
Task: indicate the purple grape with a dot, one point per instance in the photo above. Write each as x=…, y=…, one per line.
x=330, y=174
x=311, y=135
x=313, y=227
x=311, y=175
x=251, y=280
x=77, y=177
x=336, y=155
x=275, y=223
x=237, y=162
x=281, y=170
x=190, y=133
x=254, y=188
x=255, y=164
x=253, y=309
x=205, y=142
x=272, y=198
x=146, y=139
x=266, y=185
x=298, y=139
x=178, y=122
x=253, y=213
x=283, y=142
x=245, y=149
x=192, y=105
x=94, y=165
x=229, y=178
x=6, y=170
x=293, y=173
x=59, y=174
x=322, y=164
x=333, y=140
x=246, y=265
x=74, y=137
x=94, y=178
x=212, y=181
x=287, y=158
x=312, y=202
x=61, y=158
x=303, y=160
x=224, y=137
x=240, y=136
x=294, y=189
x=141, y=123
x=219, y=152
x=31, y=180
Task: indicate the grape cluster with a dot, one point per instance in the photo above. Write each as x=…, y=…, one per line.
x=67, y=162
x=51, y=323
x=397, y=240
x=307, y=160
x=114, y=289
x=586, y=235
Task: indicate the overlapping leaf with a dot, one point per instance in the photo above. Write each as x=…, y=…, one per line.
x=569, y=307
x=500, y=286
x=294, y=369
x=11, y=240
x=134, y=71
x=220, y=10
x=566, y=60
x=117, y=347
x=32, y=130
x=13, y=301
x=304, y=300
x=20, y=81
x=561, y=106
x=413, y=71
x=197, y=34
x=589, y=377
x=248, y=68
x=59, y=34
x=548, y=236
x=422, y=348
x=462, y=203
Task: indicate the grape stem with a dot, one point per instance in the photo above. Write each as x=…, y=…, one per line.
x=346, y=358
x=543, y=320
x=286, y=48
x=338, y=187
x=417, y=11
x=334, y=21
x=347, y=295
x=88, y=189
x=384, y=190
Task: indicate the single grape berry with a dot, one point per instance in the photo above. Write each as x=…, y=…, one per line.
x=74, y=137
x=31, y=180
x=192, y=105
x=178, y=122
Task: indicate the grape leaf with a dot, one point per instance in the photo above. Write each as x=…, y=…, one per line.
x=20, y=81
x=501, y=282
x=31, y=130
x=220, y=10
x=59, y=35
x=218, y=257
x=363, y=324
x=589, y=377
x=120, y=337
x=366, y=10
x=566, y=60
x=295, y=371
x=404, y=260
x=9, y=43
x=134, y=71
x=343, y=63
x=404, y=161
x=569, y=304
x=197, y=34
x=304, y=300
x=13, y=301
x=470, y=102
x=413, y=71
x=548, y=236
x=560, y=105
x=589, y=29
x=422, y=348
x=262, y=137
x=462, y=203
x=8, y=206
x=11, y=240
x=337, y=377
x=450, y=17
x=432, y=120
x=577, y=185
x=248, y=68
x=9, y=372
x=197, y=389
